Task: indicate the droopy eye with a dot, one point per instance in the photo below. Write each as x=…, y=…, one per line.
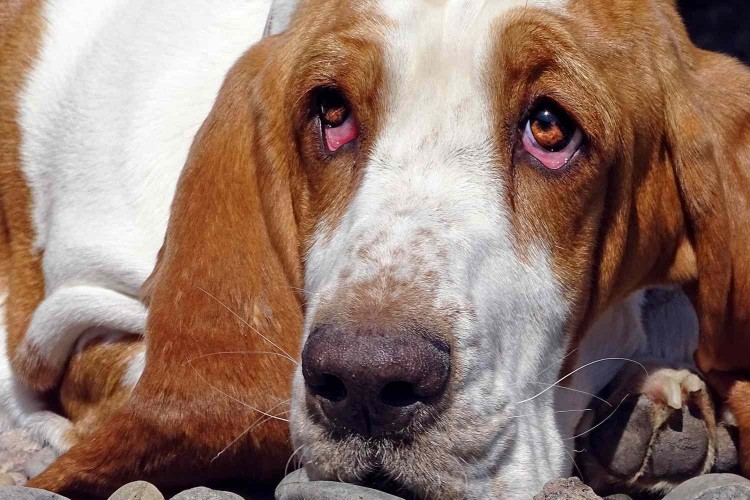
x=551, y=136
x=338, y=122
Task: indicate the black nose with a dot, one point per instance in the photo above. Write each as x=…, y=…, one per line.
x=373, y=382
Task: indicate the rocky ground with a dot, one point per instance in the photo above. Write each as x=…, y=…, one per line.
x=21, y=458
x=296, y=487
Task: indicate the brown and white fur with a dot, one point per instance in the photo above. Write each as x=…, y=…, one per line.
x=433, y=219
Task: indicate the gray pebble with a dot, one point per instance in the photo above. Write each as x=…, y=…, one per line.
x=203, y=493
x=18, y=478
x=712, y=487
x=39, y=461
x=618, y=496
x=21, y=493
x=296, y=486
x=137, y=490
x=569, y=488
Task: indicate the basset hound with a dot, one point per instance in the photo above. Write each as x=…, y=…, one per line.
x=418, y=230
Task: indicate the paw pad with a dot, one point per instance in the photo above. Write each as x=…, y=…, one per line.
x=656, y=431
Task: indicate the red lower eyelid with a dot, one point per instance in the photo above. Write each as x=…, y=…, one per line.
x=338, y=136
x=551, y=160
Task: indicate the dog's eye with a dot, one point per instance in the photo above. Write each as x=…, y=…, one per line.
x=551, y=136
x=336, y=118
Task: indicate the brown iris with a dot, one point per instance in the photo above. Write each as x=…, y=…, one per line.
x=334, y=110
x=552, y=127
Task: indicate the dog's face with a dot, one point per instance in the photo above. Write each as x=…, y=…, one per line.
x=471, y=184
x=460, y=157
x=471, y=168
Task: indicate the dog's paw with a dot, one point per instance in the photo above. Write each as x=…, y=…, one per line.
x=654, y=431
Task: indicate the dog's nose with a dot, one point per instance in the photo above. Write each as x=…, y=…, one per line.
x=374, y=382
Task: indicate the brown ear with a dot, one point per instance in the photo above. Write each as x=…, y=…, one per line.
x=224, y=320
x=709, y=135
x=709, y=127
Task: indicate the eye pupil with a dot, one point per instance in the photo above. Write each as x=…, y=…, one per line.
x=552, y=129
x=334, y=109
x=334, y=116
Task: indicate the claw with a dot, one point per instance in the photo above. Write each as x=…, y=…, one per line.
x=693, y=383
x=673, y=395
x=663, y=386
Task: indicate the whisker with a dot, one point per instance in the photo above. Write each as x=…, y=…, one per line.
x=281, y=402
x=548, y=367
x=580, y=474
x=573, y=351
x=294, y=453
x=249, y=353
x=579, y=369
x=542, y=413
x=233, y=398
x=244, y=433
x=249, y=325
x=600, y=423
x=562, y=387
x=255, y=424
x=466, y=477
x=482, y=468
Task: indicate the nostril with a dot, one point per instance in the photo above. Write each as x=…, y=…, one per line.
x=330, y=387
x=398, y=394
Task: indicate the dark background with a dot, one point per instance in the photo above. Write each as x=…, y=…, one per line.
x=719, y=25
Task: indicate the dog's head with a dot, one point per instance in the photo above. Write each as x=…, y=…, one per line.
x=455, y=191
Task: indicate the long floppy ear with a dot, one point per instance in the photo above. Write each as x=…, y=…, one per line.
x=224, y=321
x=709, y=136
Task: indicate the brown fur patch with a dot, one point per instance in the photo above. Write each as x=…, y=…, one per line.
x=18, y=49
x=92, y=387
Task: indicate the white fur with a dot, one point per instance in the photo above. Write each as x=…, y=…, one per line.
x=107, y=115
x=135, y=369
x=68, y=312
